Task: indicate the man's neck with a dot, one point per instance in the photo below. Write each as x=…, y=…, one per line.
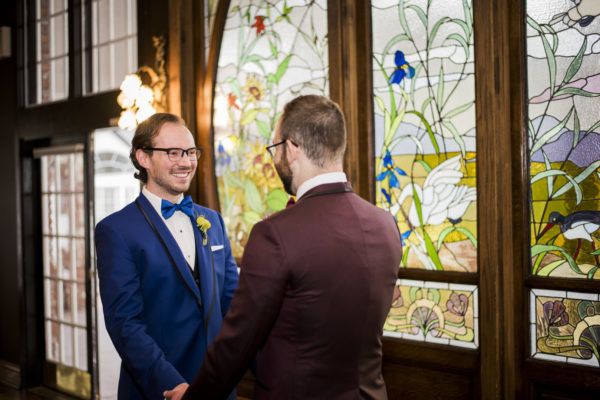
x=324, y=177
x=173, y=198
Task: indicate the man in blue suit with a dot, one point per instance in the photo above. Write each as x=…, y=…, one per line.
x=165, y=266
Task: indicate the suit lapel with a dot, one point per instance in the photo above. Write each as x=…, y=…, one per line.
x=181, y=266
x=205, y=272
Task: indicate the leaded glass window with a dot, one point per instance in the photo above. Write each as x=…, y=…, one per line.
x=565, y=326
x=564, y=137
x=563, y=85
x=271, y=52
x=425, y=158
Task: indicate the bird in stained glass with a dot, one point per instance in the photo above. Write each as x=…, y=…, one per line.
x=578, y=225
x=441, y=197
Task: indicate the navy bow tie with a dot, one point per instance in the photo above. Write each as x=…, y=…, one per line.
x=186, y=206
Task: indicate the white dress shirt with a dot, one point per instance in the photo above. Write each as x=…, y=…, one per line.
x=330, y=177
x=180, y=226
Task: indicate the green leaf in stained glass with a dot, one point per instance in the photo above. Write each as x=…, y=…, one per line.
x=263, y=129
x=461, y=40
x=277, y=199
x=435, y=30
x=576, y=63
x=249, y=116
x=459, y=110
x=420, y=13
x=251, y=217
x=549, y=135
x=253, y=197
x=282, y=68
x=575, y=92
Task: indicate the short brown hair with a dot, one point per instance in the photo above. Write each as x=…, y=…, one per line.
x=144, y=134
x=317, y=125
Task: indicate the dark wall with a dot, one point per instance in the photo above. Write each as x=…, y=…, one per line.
x=9, y=243
x=22, y=129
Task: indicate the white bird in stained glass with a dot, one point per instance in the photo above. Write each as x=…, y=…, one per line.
x=441, y=197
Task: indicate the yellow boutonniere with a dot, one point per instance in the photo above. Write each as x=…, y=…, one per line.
x=204, y=225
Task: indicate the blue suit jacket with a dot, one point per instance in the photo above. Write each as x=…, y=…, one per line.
x=158, y=319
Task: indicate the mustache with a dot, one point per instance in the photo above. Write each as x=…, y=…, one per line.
x=182, y=169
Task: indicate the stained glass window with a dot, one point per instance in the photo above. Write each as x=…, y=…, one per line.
x=425, y=159
x=565, y=326
x=435, y=312
x=271, y=52
x=423, y=83
x=563, y=62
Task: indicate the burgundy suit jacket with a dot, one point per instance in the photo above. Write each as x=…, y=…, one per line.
x=315, y=288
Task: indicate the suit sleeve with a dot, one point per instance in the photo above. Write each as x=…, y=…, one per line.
x=253, y=311
x=231, y=272
x=120, y=291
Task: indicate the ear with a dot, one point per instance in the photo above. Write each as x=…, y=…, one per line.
x=292, y=151
x=142, y=158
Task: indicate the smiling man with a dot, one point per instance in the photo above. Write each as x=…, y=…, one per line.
x=165, y=266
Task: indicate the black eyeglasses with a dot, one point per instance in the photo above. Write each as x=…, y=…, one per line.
x=271, y=148
x=175, y=154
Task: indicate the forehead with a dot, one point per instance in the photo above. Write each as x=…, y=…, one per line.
x=174, y=135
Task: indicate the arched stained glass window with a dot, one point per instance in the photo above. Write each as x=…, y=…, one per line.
x=271, y=52
x=563, y=88
x=425, y=159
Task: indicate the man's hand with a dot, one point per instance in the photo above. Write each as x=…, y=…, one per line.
x=177, y=392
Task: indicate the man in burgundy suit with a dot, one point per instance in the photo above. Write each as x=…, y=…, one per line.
x=316, y=282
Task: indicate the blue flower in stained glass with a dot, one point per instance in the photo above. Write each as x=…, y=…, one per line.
x=223, y=158
x=404, y=236
x=390, y=171
x=402, y=69
x=386, y=195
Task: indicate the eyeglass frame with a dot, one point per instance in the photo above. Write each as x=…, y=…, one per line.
x=268, y=148
x=183, y=151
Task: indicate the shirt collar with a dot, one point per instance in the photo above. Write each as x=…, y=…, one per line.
x=155, y=200
x=321, y=179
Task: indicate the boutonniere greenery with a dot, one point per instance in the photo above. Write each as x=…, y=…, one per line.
x=204, y=225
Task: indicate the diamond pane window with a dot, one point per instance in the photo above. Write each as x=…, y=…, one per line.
x=563, y=61
x=271, y=53
x=424, y=96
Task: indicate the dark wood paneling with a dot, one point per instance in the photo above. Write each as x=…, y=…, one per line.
x=407, y=381
x=75, y=118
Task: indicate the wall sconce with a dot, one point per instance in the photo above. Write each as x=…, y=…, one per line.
x=144, y=93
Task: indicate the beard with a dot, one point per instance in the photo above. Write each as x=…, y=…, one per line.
x=285, y=174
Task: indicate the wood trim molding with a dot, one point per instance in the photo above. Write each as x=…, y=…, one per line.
x=500, y=295
x=10, y=374
x=206, y=179
x=349, y=32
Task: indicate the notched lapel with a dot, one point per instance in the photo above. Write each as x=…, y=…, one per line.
x=172, y=247
x=206, y=271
